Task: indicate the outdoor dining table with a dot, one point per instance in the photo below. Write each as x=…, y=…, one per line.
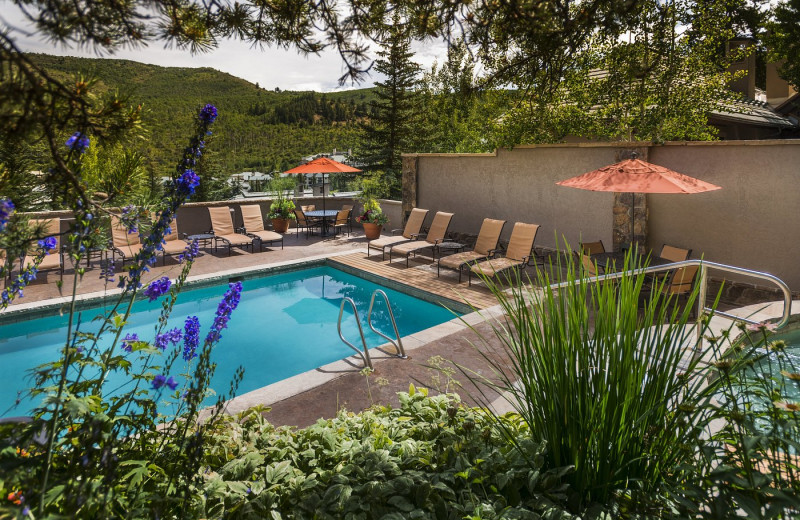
x=324, y=215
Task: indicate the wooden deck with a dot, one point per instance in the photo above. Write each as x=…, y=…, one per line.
x=420, y=275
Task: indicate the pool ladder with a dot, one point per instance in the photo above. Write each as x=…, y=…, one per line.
x=397, y=342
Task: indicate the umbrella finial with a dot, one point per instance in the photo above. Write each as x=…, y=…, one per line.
x=634, y=155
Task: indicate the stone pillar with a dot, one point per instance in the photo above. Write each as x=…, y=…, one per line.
x=630, y=208
x=409, y=171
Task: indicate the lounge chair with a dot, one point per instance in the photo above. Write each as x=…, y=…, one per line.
x=411, y=231
x=436, y=234
x=485, y=247
x=342, y=221
x=173, y=245
x=675, y=254
x=517, y=255
x=55, y=259
x=593, y=248
x=223, y=230
x=254, y=226
x=125, y=244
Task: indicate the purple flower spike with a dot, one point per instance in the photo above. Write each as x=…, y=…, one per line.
x=48, y=244
x=78, y=142
x=208, y=114
x=171, y=383
x=157, y=288
x=228, y=304
x=127, y=342
x=158, y=381
x=191, y=338
x=171, y=336
x=6, y=210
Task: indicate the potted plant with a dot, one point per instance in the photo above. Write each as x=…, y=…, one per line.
x=373, y=219
x=281, y=211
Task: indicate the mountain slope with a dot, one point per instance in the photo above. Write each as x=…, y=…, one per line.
x=257, y=128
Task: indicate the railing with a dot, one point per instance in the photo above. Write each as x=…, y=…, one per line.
x=365, y=353
x=397, y=342
x=704, y=266
x=401, y=353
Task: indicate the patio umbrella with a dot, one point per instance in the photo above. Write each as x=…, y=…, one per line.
x=324, y=166
x=637, y=176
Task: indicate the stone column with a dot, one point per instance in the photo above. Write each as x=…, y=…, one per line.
x=409, y=171
x=630, y=207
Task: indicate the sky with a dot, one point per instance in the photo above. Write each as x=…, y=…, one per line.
x=270, y=68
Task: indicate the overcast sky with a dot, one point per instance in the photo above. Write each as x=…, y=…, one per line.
x=269, y=68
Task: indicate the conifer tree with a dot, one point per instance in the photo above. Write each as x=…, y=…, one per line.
x=392, y=127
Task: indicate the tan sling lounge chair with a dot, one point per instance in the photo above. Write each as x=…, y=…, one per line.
x=173, y=245
x=53, y=260
x=222, y=227
x=518, y=254
x=485, y=247
x=436, y=234
x=127, y=245
x=342, y=222
x=254, y=226
x=412, y=229
x=674, y=254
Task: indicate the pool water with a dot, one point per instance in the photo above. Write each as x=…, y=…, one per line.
x=790, y=362
x=284, y=325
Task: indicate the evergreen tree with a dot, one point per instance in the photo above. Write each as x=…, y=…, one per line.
x=16, y=180
x=392, y=128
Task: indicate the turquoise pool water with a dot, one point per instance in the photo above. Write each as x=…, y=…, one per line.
x=790, y=363
x=284, y=325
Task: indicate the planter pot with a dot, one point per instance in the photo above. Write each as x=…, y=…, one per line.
x=372, y=231
x=280, y=225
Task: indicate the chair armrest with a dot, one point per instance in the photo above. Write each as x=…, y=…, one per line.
x=397, y=232
x=495, y=252
x=241, y=230
x=418, y=236
x=438, y=241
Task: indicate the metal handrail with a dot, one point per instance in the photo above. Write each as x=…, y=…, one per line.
x=398, y=345
x=704, y=266
x=365, y=354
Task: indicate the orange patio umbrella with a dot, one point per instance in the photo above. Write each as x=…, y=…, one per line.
x=637, y=176
x=322, y=165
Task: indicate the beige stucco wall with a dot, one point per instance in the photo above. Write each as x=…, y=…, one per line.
x=752, y=222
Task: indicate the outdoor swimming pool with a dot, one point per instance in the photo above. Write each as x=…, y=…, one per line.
x=285, y=325
x=791, y=363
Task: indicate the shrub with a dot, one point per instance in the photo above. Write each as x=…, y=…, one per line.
x=617, y=385
x=430, y=458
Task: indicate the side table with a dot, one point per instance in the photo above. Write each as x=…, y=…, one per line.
x=450, y=247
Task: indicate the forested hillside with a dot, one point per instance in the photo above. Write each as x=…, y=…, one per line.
x=257, y=128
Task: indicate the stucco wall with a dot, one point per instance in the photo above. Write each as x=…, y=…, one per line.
x=752, y=222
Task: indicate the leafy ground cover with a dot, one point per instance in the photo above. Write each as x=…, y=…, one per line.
x=429, y=458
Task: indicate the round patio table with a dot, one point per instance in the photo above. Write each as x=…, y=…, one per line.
x=323, y=214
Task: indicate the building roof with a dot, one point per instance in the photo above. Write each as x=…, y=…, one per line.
x=752, y=112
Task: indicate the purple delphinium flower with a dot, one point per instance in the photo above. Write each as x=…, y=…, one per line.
x=128, y=341
x=108, y=271
x=130, y=219
x=78, y=142
x=208, y=113
x=228, y=304
x=6, y=210
x=161, y=380
x=188, y=182
x=190, y=253
x=48, y=243
x=157, y=288
x=191, y=337
x=171, y=336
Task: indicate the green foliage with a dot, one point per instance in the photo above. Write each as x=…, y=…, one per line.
x=282, y=206
x=373, y=214
x=784, y=38
x=429, y=458
x=617, y=384
x=116, y=174
x=584, y=385
x=16, y=180
x=249, y=134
